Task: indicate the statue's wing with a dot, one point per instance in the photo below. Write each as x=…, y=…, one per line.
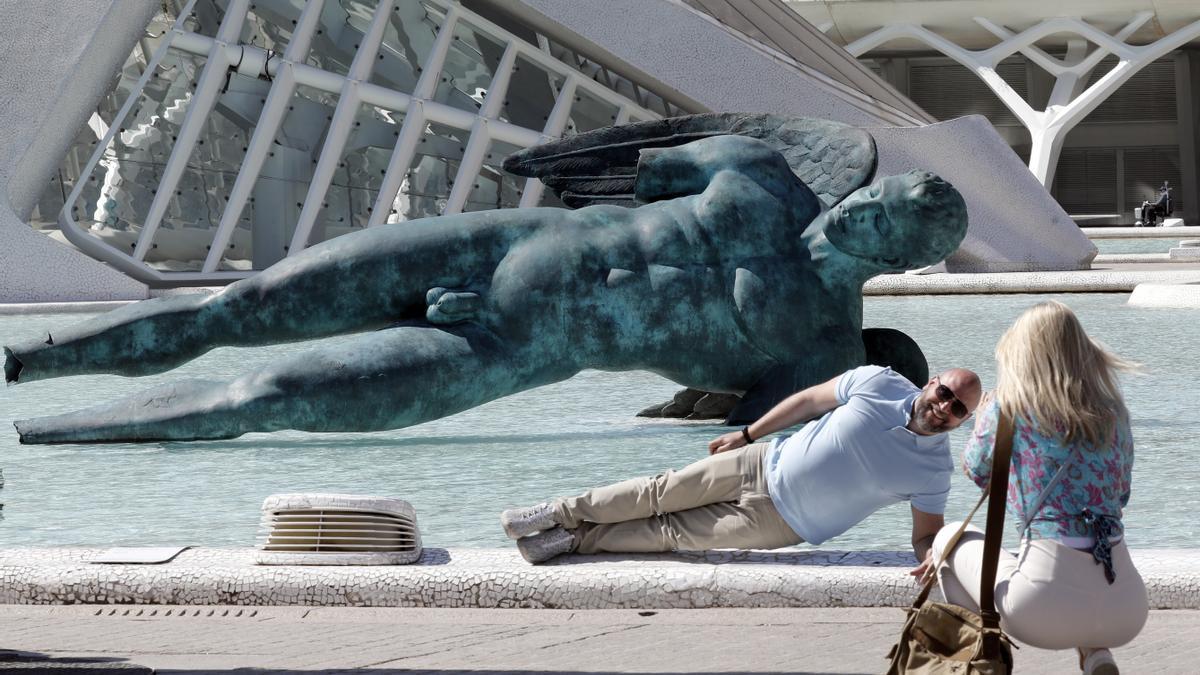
x=600, y=167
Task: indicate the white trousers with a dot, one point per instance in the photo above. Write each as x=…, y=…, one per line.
x=1048, y=595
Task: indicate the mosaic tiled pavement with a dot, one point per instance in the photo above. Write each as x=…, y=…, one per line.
x=390, y=641
x=498, y=578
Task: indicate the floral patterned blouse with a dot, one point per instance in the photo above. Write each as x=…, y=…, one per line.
x=1097, y=480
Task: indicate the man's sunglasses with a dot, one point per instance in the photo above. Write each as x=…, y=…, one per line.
x=957, y=407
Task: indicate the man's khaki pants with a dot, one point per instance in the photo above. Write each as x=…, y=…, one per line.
x=718, y=502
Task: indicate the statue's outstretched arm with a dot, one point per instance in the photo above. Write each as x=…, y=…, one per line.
x=667, y=173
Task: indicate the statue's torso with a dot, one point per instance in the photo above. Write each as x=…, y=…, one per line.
x=710, y=290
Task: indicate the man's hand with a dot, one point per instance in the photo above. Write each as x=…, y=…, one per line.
x=726, y=442
x=924, y=570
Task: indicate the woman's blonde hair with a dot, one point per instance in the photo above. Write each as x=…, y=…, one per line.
x=1052, y=373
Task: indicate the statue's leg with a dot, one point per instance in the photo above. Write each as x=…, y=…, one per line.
x=358, y=282
x=387, y=379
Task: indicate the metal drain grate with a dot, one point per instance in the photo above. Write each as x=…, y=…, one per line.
x=336, y=529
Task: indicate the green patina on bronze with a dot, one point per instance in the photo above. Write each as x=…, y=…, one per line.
x=701, y=249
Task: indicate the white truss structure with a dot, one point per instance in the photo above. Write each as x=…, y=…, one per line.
x=1070, y=102
x=226, y=53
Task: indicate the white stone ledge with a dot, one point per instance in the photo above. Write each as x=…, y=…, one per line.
x=1165, y=295
x=487, y=578
x=1091, y=281
x=1141, y=232
x=1127, y=258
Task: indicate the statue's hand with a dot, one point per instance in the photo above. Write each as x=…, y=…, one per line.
x=447, y=307
x=726, y=442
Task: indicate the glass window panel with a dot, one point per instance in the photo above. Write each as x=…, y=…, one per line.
x=205, y=18
x=269, y=25
x=407, y=43
x=355, y=186
x=494, y=188
x=338, y=35
x=470, y=66
x=430, y=176
x=182, y=239
x=589, y=112
x=268, y=220
x=531, y=94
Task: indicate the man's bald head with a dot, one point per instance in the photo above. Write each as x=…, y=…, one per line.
x=934, y=411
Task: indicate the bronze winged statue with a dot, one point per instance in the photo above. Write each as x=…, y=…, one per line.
x=726, y=252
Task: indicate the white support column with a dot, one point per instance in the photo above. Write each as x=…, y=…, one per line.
x=207, y=89
x=1068, y=105
x=468, y=168
x=556, y=122
x=411, y=131
x=269, y=120
x=481, y=138
x=414, y=121
x=340, y=126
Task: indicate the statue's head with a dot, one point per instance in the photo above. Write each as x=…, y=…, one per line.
x=900, y=222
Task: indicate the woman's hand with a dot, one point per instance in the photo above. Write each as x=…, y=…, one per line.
x=984, y=401
x=726, y=442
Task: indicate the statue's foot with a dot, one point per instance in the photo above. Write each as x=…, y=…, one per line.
x=12, y=367
x=447, y=307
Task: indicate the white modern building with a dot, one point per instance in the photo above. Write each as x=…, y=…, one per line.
x=195, y=142
x=1100, y=97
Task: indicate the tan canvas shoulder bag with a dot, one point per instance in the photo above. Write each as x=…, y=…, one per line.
x=940, y=638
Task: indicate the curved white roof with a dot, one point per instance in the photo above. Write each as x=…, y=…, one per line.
x=849, y=20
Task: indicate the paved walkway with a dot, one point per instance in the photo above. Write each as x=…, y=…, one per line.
x=329, y=640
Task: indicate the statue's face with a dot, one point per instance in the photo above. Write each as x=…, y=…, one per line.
x=881, y=224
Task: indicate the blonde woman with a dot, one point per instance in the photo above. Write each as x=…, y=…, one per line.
x=1072, y=584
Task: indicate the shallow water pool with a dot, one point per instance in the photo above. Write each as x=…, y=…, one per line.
x=459, y=472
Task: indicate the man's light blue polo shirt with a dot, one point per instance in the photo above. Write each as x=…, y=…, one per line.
x=858, y=458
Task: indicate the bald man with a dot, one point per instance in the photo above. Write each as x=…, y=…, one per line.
x=873, y=439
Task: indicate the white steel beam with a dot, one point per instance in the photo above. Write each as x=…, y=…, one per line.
x=411, y=131
x=70, y=228
x=340, y=126
x=1068, y=106
x=556, y=122
x=224, y=52
x=278, y=99
x=414, y=120
x=481, y=138
x=207, y=88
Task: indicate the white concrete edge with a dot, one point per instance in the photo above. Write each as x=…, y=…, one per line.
x=1089, y=281
x=1141, y=232
x=498, y=578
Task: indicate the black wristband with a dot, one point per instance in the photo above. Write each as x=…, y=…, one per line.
x=746, y=435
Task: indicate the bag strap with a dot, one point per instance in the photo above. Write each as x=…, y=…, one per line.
x=998, y=489
x=928, y=586
x=997, y=485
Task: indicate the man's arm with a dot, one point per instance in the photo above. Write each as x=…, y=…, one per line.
x=666, y=173
x=799, y=407
x=925, y=527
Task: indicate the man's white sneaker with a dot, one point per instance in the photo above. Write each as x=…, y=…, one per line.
x=1100, y=662
x=546, y=545
x=523, y=522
